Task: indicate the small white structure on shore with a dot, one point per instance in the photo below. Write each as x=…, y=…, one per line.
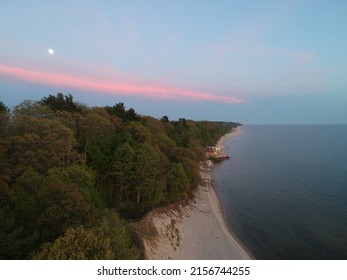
x=212, y=151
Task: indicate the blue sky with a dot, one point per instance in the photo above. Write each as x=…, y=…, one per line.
x=246, y=61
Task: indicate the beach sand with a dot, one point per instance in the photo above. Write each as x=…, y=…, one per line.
x=205, y=232
x=221, y=142
x=193, y=230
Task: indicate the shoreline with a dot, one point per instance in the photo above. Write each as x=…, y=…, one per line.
x=221, y=144
x=194, y=229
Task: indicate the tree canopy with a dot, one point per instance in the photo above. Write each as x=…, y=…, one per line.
x=72, y=175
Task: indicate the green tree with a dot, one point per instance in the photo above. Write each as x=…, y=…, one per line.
x=118, y=110
x=114, y=229
x=63, y=205
x=126, y=115
x=138, y=132
x=77, y=244
x=92, y=127
x=84, y=177
x=108, y=239
x=5, y=167
x=3, y=108
x=177, y=182
x=165, y=144
x=4, y=118
x=164, y=119
x=27, y=107
x=41, y=143
x=131, y=115
x=121, y=176
x=60, y=102
x=39, y=209
x=146, y=160
x=19, y=209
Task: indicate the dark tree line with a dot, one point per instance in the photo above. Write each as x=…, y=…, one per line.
x=71, y=174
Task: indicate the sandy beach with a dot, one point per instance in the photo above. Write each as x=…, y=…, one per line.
x=193, y=230
x=221, y=142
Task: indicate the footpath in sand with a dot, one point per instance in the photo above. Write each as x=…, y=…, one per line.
x=194, y=230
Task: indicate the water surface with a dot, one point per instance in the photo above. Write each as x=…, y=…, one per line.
x=284, y=190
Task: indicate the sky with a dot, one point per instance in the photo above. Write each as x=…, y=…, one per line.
x=254, y=62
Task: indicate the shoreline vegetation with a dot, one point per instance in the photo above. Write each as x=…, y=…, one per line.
x=75, y=180
x=192, y=229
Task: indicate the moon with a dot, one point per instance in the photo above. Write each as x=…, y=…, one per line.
x=50, y=51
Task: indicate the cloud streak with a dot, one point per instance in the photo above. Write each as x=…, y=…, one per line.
x=156, y=91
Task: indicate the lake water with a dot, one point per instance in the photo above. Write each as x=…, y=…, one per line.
x=284, y=190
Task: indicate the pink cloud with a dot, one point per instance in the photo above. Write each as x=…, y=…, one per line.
x=108, y=86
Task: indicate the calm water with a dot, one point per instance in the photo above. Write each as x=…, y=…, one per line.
x=284, y=190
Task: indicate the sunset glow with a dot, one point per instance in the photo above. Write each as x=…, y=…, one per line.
x=154, y=91
x=269, y=62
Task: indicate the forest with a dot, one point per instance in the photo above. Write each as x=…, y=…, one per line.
x=73, y=176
